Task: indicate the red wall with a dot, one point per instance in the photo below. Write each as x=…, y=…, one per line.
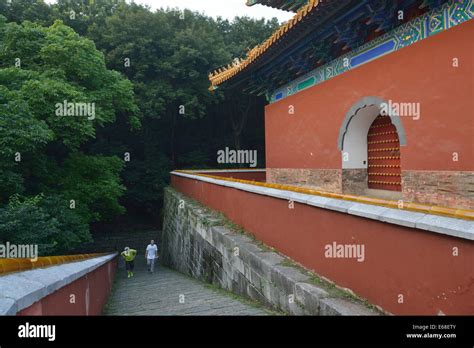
x=422, y=73
x=91, y=293
x=398, y=260
x=255, y=176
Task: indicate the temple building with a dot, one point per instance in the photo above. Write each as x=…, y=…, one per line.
x=368, y=143
x=368, y=98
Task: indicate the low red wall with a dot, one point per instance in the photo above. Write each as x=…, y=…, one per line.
x=90, y=294
x=255, y=176
x=418, y=265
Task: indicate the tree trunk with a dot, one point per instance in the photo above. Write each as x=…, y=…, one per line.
x=239, y=112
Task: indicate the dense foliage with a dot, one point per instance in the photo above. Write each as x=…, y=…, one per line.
x=146, y=72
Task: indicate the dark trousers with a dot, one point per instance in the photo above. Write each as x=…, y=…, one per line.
x=129, y=265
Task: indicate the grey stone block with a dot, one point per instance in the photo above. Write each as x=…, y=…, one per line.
x=338, y=205
x=52, y=279
x=223, y=183
x=369, y=211
x=278, y=298
x=285, y=278
x=257, y=295
x=281, y=194
x=255, y=279
x=267, y=191
x=297, y=197
x=271, y=258
x=317, y=201
x=342, y=306
x=239, y=239
x=253, y=248
x=309, y=296
x=401, y=217
x=8, y=306
x=449, y=226
x=255, y=189
x=21, y=290
x=212, y=181
x=291, y=273
x=264, y=262
x=310, y=289
x=221, y=230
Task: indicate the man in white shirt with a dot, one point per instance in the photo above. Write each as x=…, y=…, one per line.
x=151, y=254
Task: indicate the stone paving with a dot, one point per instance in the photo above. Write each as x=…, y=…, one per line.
x=167, y=292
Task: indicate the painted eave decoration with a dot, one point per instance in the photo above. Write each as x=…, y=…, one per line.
x=320, y=31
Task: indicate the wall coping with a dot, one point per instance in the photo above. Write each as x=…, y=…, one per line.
x=240, y=170
x=21, y=289
x=18, y=265
x=423, y=221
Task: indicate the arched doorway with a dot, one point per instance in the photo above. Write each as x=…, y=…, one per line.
x=371, y=161
x=383, y=154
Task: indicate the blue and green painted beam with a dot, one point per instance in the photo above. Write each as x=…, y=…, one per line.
x=442, y=18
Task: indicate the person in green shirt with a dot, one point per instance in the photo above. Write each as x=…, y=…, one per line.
x=129, y=257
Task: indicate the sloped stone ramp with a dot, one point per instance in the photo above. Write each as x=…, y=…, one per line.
x=167, y=292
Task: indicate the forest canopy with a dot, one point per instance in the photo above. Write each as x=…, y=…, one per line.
x=144, y=76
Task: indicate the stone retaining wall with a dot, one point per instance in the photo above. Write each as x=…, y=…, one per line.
x=200, y=243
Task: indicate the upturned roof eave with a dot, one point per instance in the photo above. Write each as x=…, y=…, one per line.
x=221, y=75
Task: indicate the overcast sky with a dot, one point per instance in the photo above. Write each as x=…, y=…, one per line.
x=224, y=8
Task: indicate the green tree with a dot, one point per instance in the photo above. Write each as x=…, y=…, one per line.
x=22, y=10
x=42, y=149
x=43, y=221
x=167, y=56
